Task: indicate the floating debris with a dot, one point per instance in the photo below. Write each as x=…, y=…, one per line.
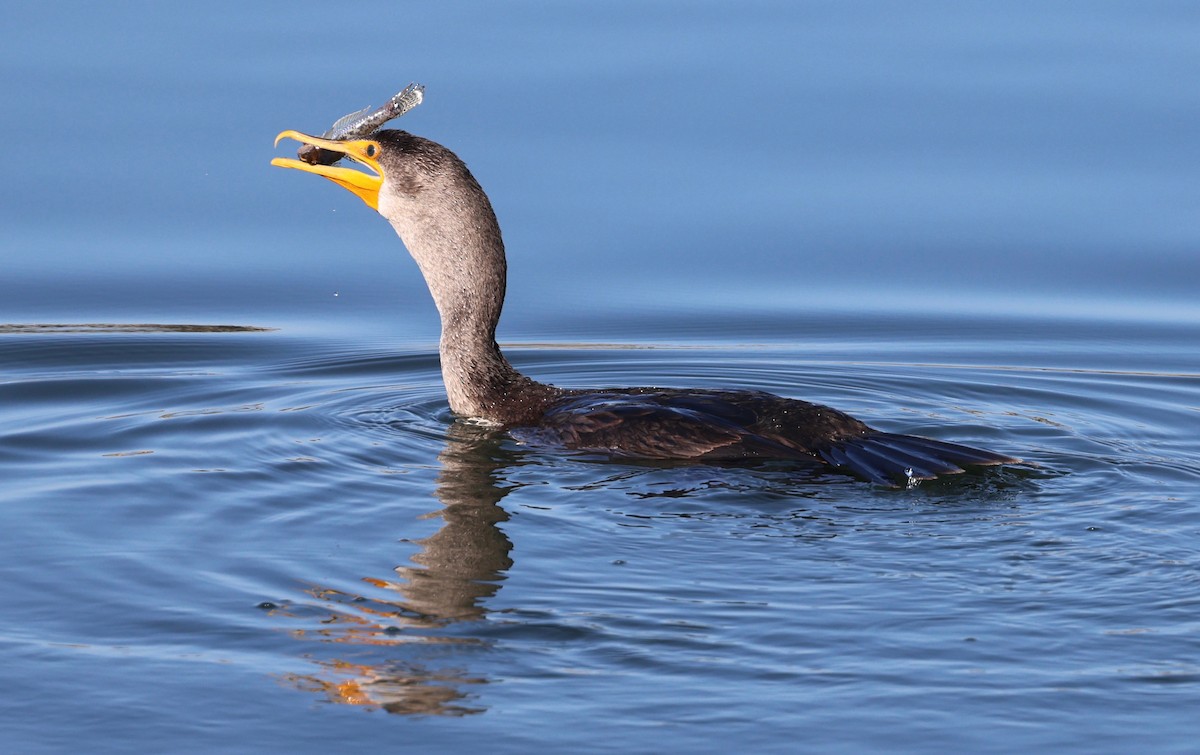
x=108, y=327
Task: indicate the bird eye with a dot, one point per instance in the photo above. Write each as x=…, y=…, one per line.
x=371, y=150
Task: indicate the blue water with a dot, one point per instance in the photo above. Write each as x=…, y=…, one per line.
x=238, y=515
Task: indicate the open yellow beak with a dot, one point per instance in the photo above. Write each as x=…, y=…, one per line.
x=364, y=151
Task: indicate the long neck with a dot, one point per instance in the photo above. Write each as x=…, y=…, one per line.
x=452, y=233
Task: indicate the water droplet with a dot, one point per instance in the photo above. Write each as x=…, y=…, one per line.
x=910, y=481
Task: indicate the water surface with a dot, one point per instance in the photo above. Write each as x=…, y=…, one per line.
x=238, y=514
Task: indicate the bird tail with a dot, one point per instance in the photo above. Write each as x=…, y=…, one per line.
x=893, y=460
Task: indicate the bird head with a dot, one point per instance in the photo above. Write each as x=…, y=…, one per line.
x=366, y=152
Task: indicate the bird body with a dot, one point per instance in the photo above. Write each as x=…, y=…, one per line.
x=447, y=223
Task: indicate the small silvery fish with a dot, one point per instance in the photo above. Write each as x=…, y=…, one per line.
x=361, y=123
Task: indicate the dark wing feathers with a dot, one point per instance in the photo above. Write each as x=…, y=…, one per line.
x=885, y=465
x=641, y=427
x=725, y=425
x=888, y=458
x=955, y=452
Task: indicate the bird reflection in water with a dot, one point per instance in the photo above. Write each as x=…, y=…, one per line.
x=457, y=569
